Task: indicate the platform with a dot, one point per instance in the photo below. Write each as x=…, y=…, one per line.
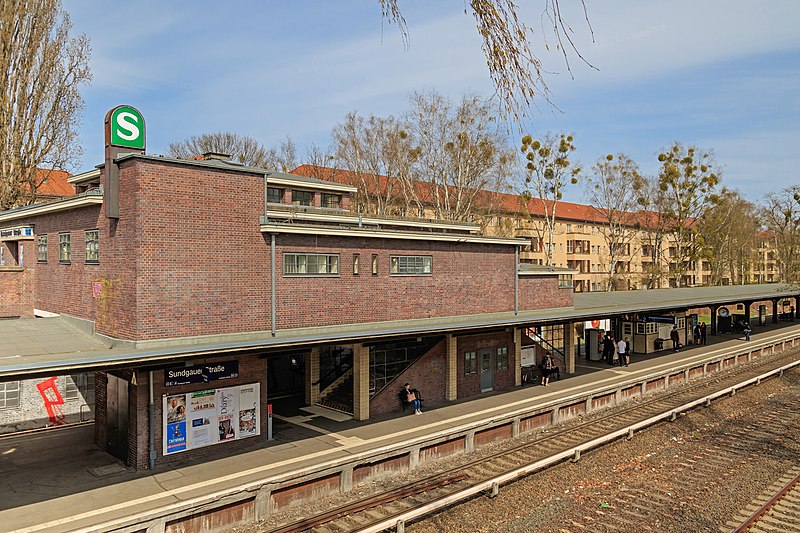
x=59, y=481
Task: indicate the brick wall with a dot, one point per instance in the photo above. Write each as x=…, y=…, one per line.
x=32, y=412
x=251, y=370
x=503, y=379
x=187, y=258
x=541, y=292
x=428, y=374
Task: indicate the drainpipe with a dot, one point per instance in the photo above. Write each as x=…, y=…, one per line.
x=272, y=280
x=516, y=280
x=151, y=408
x=272, y=291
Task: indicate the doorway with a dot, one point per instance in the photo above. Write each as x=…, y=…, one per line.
x=117, y=417
x=486, y=357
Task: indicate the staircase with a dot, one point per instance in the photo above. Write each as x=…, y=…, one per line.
x=339, y=396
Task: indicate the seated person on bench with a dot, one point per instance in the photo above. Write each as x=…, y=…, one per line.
x=413, y=397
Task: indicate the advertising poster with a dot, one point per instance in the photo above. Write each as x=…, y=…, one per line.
x=210, y=416
x=248, y=408
x=227, y=410
x=175, y=409
x=202, y=411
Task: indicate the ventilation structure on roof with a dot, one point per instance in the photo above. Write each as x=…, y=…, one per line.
x=216, y=155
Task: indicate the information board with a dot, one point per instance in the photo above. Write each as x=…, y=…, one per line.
x=202, y=418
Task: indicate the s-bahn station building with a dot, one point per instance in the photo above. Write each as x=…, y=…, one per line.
x=195, y=291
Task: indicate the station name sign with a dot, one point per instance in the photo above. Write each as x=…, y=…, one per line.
x=186, y=375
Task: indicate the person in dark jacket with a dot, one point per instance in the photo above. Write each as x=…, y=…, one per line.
x=675, y=337
x=413, y=397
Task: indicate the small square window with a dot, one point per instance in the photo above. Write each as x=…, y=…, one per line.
x=470, y=364
x=332, y=201
x=9, y=394
x=501, y=361
x=302, y=197
x=64, y=248
x=274, y=195
x=41, y=248
x=92, y=239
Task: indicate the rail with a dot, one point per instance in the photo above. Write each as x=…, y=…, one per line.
x=398, y=520
x=764, y=509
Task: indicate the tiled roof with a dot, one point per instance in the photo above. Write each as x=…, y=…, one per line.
x=502, y=202
x=53, y=183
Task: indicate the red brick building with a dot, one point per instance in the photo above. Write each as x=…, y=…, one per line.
x=263, y=282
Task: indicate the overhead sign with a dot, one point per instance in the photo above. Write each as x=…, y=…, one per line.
x=185, y=375
x=660, y=319
x=127, y=127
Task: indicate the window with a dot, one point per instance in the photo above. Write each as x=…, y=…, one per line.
x=274, y=195
x=501, y=361
x=355, y=264
x=564, y=281
x=570, y=247
x=41, y=248
x=470, y=364
x=302, y=197
x=9, y=394
x=310, y=264
x=411, y=264
x=374, y=264
x=92, y=238
x=331, y=200
x=64, y=252
x=569, y=228
x=80, y=387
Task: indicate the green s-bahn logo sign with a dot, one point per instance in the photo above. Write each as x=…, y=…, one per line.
x=127, y=127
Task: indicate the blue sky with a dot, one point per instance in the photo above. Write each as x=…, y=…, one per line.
x=722, y=75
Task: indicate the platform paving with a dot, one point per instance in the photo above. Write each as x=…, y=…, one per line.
x=58, y=481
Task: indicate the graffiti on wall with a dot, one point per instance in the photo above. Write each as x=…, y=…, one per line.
x=52, y=400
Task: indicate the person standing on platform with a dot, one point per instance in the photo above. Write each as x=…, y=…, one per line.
x=696, y=332
x=675, y=337
x=621, y=352
x=547, y=368
x=746, y=330
x=702, y=333
x=627, y=351
x=608, y=349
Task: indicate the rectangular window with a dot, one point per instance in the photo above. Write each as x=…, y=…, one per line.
x=374, y=264
x=41, y=248
x=355, y=264
x=332, y=201
x=501, y=361
x=411, y=264
x=564, y=281
x=9, y=394
x=310, y=264
x=470, y=364
x=64, y=251
x=274, y=195
x=80, y=387
x=92, y=238
x=302, y=197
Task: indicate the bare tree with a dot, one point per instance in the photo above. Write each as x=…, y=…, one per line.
x=549, y=171
x=515, y=70
x=461, y=160
x=40, y=104
x=613, y=188
x=729, y=231
x=688, y=177
x=653, y=219
x=241, y=148
x=782, y=214
x=378, y=153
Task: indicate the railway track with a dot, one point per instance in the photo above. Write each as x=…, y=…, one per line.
x=777, y=510
x=393, y=510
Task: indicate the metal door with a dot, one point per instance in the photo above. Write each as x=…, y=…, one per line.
x=486, y=358
x=117, y=418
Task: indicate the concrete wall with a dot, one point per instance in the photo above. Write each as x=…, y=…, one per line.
x=33, y=412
